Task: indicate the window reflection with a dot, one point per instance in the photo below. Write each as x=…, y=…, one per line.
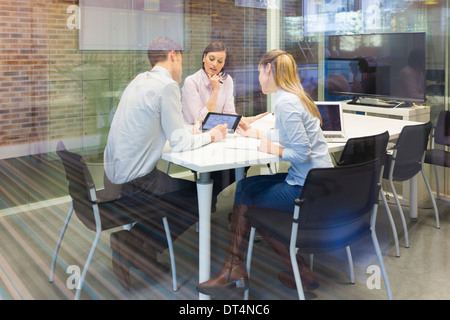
x=62, y=77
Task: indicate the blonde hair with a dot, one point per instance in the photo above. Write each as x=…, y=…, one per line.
x=286, y=77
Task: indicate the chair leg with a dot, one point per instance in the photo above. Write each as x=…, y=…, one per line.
x=298, y=280
x=275, y=166
x=251, y=241
x=436, y=213
x=88, y=262
x=378, y=253
x=350, y=264
x=172, y=255
x=167, y=167
x=293, y=254
x=391, y=220
x=98, y=231
x=58, y=243
x=438, y=196
x=400, y=210
x=311, y=261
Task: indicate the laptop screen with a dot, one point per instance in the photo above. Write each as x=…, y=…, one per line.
x=331, y=117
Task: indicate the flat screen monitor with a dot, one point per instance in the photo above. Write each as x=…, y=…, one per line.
x=389, y=66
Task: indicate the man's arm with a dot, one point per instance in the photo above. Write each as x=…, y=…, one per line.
x=180, y=138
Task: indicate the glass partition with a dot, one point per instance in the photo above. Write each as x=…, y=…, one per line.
x=66, y=63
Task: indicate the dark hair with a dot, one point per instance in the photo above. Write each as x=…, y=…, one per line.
x=216, y=46
x=159, y=49
x=363, y=64
x=416, y=59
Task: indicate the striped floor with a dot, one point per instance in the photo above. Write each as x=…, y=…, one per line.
x=28, y=234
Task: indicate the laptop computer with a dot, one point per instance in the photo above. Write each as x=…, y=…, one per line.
x=332, y=121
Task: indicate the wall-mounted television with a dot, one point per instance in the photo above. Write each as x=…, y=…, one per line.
x=382, y=69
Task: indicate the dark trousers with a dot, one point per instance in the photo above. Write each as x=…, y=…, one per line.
x=176, y=197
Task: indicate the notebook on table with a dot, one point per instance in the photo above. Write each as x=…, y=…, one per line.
x=332, y=121
x=239, y=142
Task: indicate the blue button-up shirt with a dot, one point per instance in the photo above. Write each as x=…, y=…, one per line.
x=299, y=132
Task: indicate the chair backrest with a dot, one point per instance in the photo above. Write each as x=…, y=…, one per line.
x=79, y=181
x=364, y=149
x=335, y=204
x=442, y=130
x=410, y=148
x=335, y=196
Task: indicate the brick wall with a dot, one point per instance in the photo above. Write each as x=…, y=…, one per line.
x=29, y=36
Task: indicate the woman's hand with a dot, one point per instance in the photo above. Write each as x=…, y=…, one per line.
x=246, y=130
x=268, y=146
x=254, y=118
x=219, y=132
x=215, y=81
x=197, y=127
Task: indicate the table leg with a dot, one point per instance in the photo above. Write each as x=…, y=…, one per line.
x=239, y=174
x=204, y=194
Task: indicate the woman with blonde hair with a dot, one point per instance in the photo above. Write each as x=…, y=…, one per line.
x=298, y=139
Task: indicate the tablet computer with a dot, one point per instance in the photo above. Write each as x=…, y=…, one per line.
x=212, y=119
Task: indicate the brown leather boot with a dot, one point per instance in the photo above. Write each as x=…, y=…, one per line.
x=233, y=273
x=307, y=275
x=287, y=277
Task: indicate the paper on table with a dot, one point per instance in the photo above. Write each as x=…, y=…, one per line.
x=265, y=123
x=239, y=142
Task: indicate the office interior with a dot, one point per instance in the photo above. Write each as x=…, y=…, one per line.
x=64, y=67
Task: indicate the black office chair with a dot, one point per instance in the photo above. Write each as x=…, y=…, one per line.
x=363, y=149
x=405, y=161
x=336, y=208
x=98, y=211
x=438, y=156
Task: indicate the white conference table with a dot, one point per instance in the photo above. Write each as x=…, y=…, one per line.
x=216, y=156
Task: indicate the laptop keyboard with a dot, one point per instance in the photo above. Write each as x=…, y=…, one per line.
x=334, y=136
x=337, y=138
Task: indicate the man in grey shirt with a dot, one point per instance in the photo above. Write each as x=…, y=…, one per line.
x=149, y=114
